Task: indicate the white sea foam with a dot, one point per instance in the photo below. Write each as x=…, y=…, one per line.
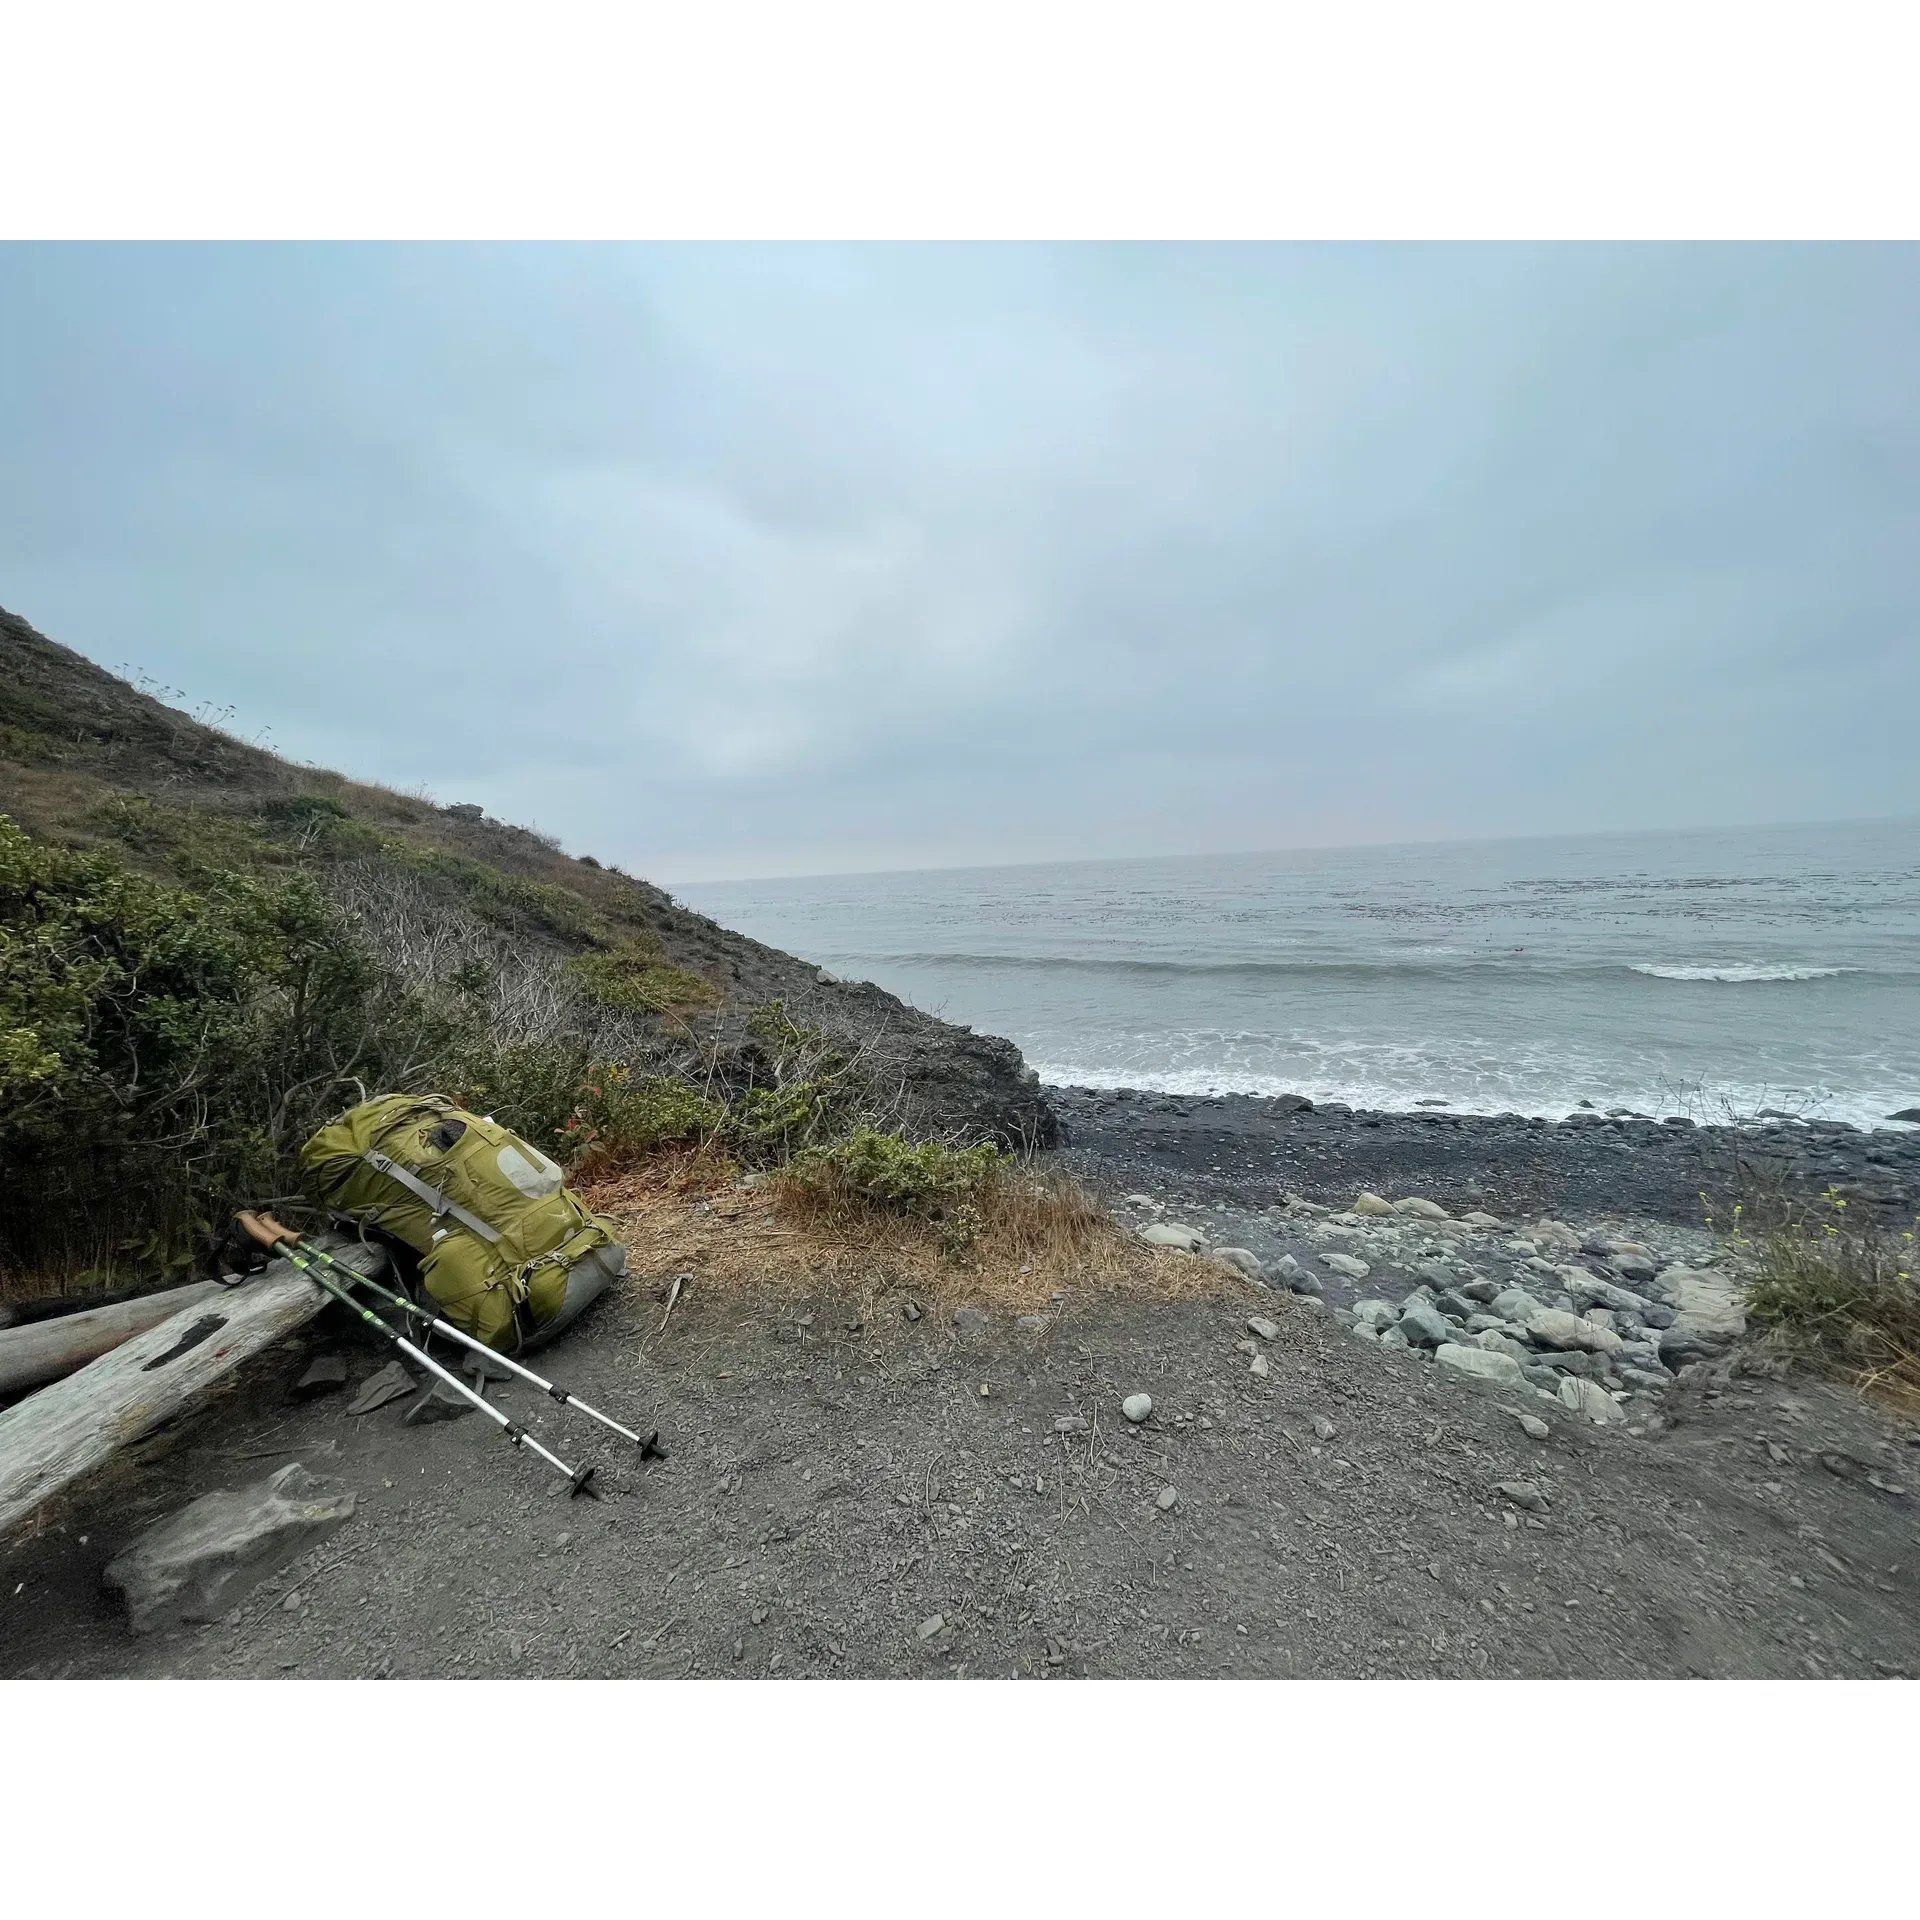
x=1756, y=971
x=1715, y=1105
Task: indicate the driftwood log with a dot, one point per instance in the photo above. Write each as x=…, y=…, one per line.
x=32, y=1355
x=51, y=1438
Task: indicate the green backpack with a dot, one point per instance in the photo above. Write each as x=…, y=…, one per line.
x=510, y=1255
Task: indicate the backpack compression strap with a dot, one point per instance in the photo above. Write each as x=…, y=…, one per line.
x=434, y=1198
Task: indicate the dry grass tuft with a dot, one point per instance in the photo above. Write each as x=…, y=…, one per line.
x=1038, y=1236
x=1848, y=1298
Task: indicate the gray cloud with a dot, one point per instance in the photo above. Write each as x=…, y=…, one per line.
x=737, y=560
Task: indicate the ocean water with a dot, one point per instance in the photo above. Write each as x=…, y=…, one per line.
x=1701, y=972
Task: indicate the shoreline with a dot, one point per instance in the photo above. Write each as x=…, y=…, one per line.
x=1254, y=1150
x=1687, y=1105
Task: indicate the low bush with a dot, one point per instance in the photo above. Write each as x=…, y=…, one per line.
x=1845, y=1296
x=804, y=1091
x=621, y=1115
x=635, y=975
x=945, y=1187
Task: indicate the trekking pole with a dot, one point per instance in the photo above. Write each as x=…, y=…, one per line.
x=650, y=1447
x=283, y=1240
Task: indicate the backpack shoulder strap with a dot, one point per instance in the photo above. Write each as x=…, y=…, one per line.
x=438, y=1201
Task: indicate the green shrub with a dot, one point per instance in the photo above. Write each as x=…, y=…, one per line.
x=789, y=1042
x=767, y=1125
x=178, y=1013
x=636, y=976
x=501, y=899
x=919, y=1180
x=165, y=1047
x=621, y=1115
x=813, y=1094
x=307, y=809
x=193, y=844
x=532, y=1088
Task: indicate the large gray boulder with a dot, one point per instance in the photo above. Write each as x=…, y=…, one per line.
x=1497, y=1340
x=212, y=1554
x=1515, y=1304
x=1242, y=1260
x=1424, y=1325
x=1552, y=1328
x=1588, y=1398
x=1594, y=1292
x=1705, y=1304
x=1480, y=1366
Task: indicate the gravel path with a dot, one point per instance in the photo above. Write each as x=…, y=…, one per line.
x=845, y=1500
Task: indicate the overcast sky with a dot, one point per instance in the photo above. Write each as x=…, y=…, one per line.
x=733, y=561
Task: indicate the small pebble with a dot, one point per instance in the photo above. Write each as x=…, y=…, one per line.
x=932, y=1625
x=1137, y=1406
x=1323, y=1428
x=1165, y=1499
x=1534, y=1427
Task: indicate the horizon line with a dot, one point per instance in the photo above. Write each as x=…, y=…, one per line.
x=1337, y=846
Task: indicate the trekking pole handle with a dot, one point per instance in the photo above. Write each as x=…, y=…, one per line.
x=265, y=1229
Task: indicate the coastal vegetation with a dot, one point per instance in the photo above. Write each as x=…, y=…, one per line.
x=166, y=1042
x=1843, y=1294
x=206, y=951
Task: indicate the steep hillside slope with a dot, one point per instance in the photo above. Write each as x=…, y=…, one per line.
x=73, y=737
x=227, y=870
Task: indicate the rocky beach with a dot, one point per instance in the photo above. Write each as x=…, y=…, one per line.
x=1242, y=1150
x=1592, y=1261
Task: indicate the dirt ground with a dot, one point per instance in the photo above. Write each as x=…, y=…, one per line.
x=842, y=1498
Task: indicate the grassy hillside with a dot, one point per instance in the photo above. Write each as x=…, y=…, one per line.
x=205, y=949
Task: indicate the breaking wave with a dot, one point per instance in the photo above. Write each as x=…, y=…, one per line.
x=1756, y=971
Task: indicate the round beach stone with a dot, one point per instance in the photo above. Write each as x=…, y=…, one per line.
x=1137, y=1406
x=1241, y=1259
x=1478, y=1366
x=1170, y=1233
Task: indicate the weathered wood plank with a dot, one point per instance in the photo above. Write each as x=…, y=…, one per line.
x=53, y=1437
x=44, y=1350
